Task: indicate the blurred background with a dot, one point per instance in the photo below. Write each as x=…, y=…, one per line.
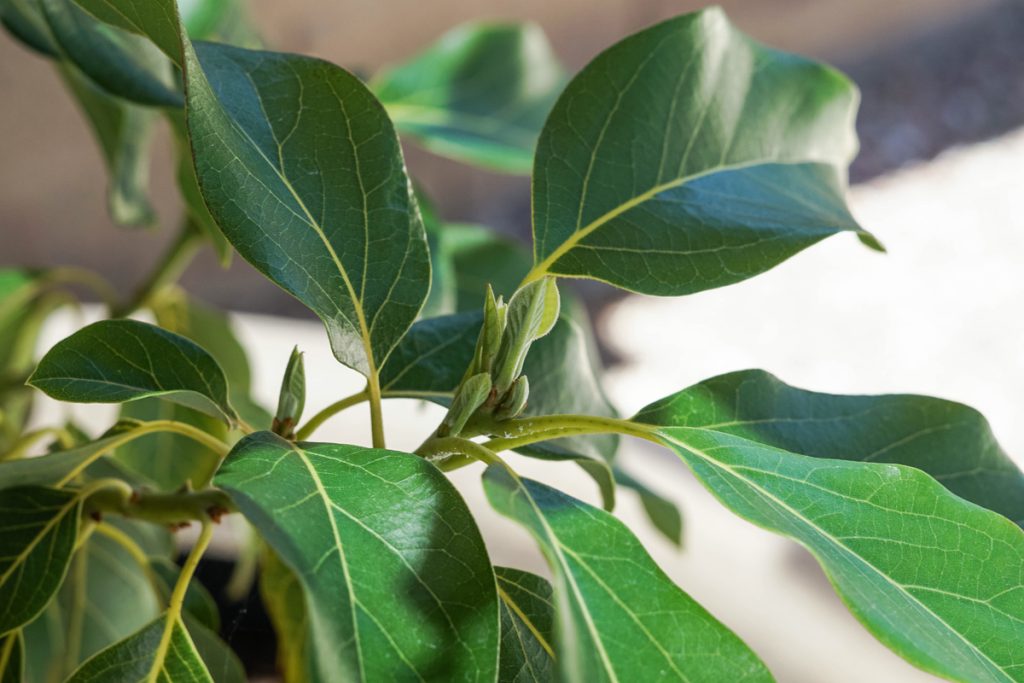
x=940, y=180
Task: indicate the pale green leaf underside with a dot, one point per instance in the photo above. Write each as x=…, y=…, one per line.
x=620, y=618
x=113, y=361
x=950, y=441
x=527, y=627
x=38, y=531
x=937, y=579
x=395, y=574
x=140, y=659
x=688, y=157
x=480, y=94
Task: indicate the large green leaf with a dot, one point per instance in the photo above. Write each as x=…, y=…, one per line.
x=395, y=575
x=936, y=578
x=619, y=617
x=527, y=627
x=303, y=172
x=949, y=441
x=161, y=651
x=480, y=94
x=38, y=532
x=113, y=361
x=123, y=64
x=688, y=157
x=12, y=658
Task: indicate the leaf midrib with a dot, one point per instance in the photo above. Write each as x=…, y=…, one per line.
x=20, y=558
x=715, y=463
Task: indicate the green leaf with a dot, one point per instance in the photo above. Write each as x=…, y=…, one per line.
x=396, y=578
x=52, y=468
x=430, y=360
x=619, y=616
x=113, y=361
x=292, y=398
x=123, y=132
x=480, y=258
x=155, y=19
x=527, y=627
x=480, y=94
x=167, y=459
x=220, y=660
x=264, y=129
x=662, y=512
x=937, y=579
x=25, y=21
x=161, y=651
x=285, y=602
x=688, y=157
x=532, y=312
x=38, y=532
x=950, y=441
x=199, y=604
x=12, y=658
x=123, y=64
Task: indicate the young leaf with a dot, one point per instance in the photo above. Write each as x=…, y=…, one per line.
x=619, y=616
x=395, y=575
x=935, y=578
x=532, y=312
x=123, y=132
x=160, y=651
x=264, y=134
x=688, y=157
x=12, y=658
x=38, y=532
x=480, y=94
x=113, y=361
x=950, y=441
x=292, y=398
x=527, y=627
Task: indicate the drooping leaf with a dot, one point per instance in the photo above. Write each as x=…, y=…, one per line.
x=220, y=660
x=619, y=616
x=123, y=132
x=113, y=361
x=328, y=217
x=949, y=441
x=688, y=157
x=286, y=606
x=52, y=468
x=480, y=94
x=662, y=512
x=394, y=572
x=936, y=578
x=527, y=627
x=38, y=532
x=161, y=651
x=12, y=658
x=121, y=63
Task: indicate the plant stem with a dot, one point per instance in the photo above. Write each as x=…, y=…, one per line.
x=28, y=439
x=452, y=452
x=330, y=411
x=522, y=432
x=170, y=267
x=376, y=416
x=70, y=275
x=173, y=509
x=174, y=605
x=211, y=442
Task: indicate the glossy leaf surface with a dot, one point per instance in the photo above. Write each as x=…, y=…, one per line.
x=113, y=361
x=619, y=616
x=527, y=627
x=144, y=656
x=38, y=532
x=480, y=94
x=395, y=575
x=949, y=441
x=688, y=157
x=937, y=579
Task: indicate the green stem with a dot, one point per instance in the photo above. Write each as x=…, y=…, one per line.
x=70, y=275
x=170, y=267
x=514, y=434
x=376, y=415
x=452, y=452
x=27, y=440
x=173, y=509
x=327, y=413
x=211, y=442
x=174, y=605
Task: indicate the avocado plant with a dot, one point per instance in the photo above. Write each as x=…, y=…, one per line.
x=683, y=158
